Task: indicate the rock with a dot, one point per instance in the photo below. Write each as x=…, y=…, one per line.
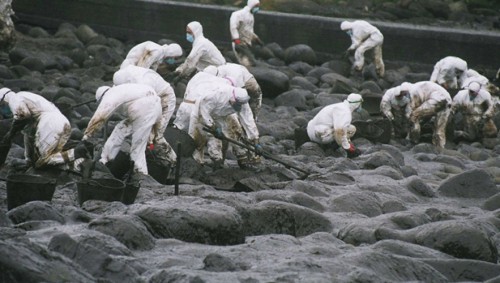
x=365, y=203
x=476, y=183
x=380, y=158
x=35, y=210
x=274, y=217
x=272, y=82
x=417, y=186
x=293, y=98
x=129, y=230
x=218, y=263
x=300, y=52
x=492, y=203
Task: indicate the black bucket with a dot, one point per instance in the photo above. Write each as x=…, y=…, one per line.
x=158, y=171
x=23, y=188
x=174, y=136
x=4, y=151
x=106, y=189
x=130, y=193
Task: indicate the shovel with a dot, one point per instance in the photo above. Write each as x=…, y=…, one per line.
x=263, y=153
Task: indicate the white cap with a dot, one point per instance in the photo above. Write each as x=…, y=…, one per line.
x=345, y=25
x=474, y=87
x=405, y=86
x=252, y=3
x=100, y=92
x=173, y=50
x=212, y=70
x=240, y=95
x=354, y=98
x=3, y=92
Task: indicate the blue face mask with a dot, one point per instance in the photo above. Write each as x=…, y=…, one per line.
x=349, y=32
x=170, y=61
x=236, y=106
x=189, y=37
x=5, y=111
x=359, y=109
x=255, y=10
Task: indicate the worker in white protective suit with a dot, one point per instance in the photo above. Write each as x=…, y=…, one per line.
x=332, y=125
x=449, y=72
x=150, y=55
x=142, y=109
x=194, y=90
x=139, y=75
x=364, y=36
x=395, y=104
x=224, y=109
x=477, y=108
x=242, y=78
x=243, y=36
x=428, y=100
x=472, y=75
x=46, y=130
x=204, y=53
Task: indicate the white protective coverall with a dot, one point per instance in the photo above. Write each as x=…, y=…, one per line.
x=194, y=90
x=150, y=55
x=477, y=109
x=472, y=75
x=242, y=78
x=142, y=108
x=139, y=75
x=47, y=132
x=204, y=53
x=333, y=123
x=215, y=109
x=394, y=105
x=428, y=99
x=449, y=72
x=241, y=25
x=365, y=36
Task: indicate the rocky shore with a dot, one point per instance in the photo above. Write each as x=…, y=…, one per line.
x=397, y=213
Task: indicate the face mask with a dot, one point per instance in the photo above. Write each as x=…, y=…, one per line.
x=359, y=109
x=472, y=95
x=349, y=32
x=5, y=111
x=189, y=37
x=170, y=61
x=236, y=106
x=403, y=101
x=255, y=10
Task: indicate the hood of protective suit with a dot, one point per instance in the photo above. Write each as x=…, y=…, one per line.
x=172, y=50
x=212, y=70
x=345, y=25
x=354, y=100
x=100, y=92
x=474, y=87
x=252, y=3
x=240, y=95
x=405, y=87
x=3, y=93
x=196, y=28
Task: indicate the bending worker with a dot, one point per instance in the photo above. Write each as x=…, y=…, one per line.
x=395, y=105
x=240, y=77
x=225, y=109
x=333, y=124
x=204, y=53
x=45, y=129
x=364, y=36
x=150, y=55
x=243, y=36
x=449, y=72
x=427, y=100
x=477, y=108
x=139, y=75
x=142, y=109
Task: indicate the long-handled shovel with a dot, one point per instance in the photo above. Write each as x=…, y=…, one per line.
x=263, y=153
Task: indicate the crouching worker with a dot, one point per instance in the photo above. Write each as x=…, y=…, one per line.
x=225, y=110
x=141, y=108
x=428, y=100
x=46, y=130
x=333, y=125
x=394, y=105
x=477, y=109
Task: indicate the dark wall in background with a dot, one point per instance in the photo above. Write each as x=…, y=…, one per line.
x=140, y=20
